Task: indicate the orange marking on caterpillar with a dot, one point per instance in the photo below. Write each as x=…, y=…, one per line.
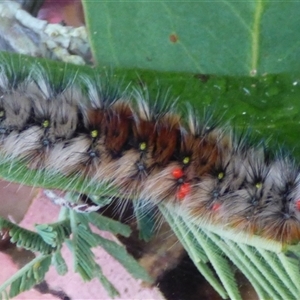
x=298, y=204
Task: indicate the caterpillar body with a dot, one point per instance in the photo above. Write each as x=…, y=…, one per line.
x=148, y=152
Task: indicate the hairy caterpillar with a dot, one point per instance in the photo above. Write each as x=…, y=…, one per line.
x=148, y=152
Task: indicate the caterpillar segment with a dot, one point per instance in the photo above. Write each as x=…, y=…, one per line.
x=149, y=153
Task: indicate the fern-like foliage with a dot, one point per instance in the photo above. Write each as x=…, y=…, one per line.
x=30, y=275
x=49, y=239
x=272, y=270
x=26, y=239
x=84, y=260
x=54, y=234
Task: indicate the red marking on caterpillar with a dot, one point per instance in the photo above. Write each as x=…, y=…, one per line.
x=216, y=206
x=183, y=191
x=177, y=173
x=148, y=152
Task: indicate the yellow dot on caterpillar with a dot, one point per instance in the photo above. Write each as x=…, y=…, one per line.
x=46, y=123
x=2, y=113
x=221, y=175
x=143, y=146
x=94, y=133
x=186, y=160
x=258, y=185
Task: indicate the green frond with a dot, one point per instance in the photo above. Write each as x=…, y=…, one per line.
x=49, y=240
x=81, y=244
x=54, y=234
x=111, y=290
x=120, y=254
x=107, y=224
x=280, y=274
x=291, y=267
x=30, y=275
x=26, y=239
x=84, y=260
x=272, y=272
x=219, y=263
x=84, y=239
x=195, y=251
x=59, y=263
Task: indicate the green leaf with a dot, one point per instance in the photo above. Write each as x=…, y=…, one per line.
x=261, y=35
x=206, y=37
